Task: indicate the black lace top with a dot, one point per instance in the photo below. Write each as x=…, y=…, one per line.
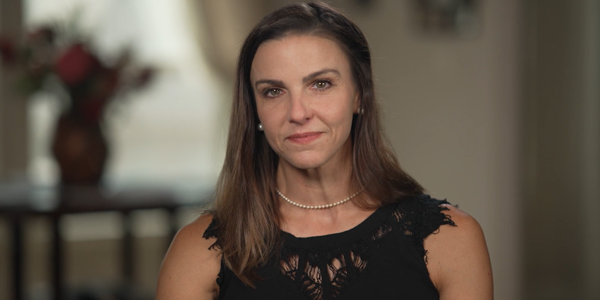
x=381, y=258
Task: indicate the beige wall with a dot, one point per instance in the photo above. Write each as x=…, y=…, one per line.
x=562, y=224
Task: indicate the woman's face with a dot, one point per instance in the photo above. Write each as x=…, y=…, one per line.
x=306, y=99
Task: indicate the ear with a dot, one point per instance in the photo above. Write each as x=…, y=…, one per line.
x=357, y=108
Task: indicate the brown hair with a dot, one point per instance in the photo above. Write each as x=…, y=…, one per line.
x=245, y=207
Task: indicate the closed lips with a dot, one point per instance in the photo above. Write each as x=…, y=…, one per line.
x=304, y=137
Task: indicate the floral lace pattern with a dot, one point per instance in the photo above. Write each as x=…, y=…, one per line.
x=421, y=217
x=325, y=273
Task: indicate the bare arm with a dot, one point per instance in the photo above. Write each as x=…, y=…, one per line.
x=458, y=259
x=189, y=270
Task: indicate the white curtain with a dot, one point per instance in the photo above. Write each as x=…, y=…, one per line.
x=225, y=24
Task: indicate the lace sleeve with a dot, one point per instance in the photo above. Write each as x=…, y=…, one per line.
x=421, y=216
x=212, y=232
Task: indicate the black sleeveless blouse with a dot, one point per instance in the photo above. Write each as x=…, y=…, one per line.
x=381, y=258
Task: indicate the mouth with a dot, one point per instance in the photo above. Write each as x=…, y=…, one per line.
x=304, y=138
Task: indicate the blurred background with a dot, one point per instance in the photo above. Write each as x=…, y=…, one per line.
x=491, y=104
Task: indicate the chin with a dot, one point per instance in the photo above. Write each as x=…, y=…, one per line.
x=304, y=162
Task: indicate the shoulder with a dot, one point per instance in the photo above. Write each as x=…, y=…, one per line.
x=191, y=265
x=419, y=216
x=458, y=260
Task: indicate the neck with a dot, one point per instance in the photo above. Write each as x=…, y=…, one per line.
x=315, y=187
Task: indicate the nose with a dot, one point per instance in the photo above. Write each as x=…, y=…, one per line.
x=299, y=110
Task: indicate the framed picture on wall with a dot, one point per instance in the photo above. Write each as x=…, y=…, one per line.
x=448, y=17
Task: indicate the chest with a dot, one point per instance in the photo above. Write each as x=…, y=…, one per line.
x=383, y=265
x=324, y=224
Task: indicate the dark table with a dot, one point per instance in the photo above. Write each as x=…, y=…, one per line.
x=58, y=202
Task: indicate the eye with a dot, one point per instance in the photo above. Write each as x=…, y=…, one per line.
x=322, y=84
x=271, y=93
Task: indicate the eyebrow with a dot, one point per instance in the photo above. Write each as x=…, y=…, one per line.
x=304, y=80
x=319, y=73
x=268, y=81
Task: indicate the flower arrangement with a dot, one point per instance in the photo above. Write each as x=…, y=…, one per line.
x=58, y=61
x=65, y=64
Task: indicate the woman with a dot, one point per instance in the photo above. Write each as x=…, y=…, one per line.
x=311, y=202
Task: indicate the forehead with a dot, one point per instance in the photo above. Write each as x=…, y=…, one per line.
x=298, y=54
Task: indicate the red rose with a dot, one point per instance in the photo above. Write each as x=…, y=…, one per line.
x=75, y=65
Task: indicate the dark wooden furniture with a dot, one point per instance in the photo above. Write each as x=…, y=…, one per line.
x=58, y=202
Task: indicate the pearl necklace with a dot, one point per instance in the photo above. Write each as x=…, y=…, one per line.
x=324, y=206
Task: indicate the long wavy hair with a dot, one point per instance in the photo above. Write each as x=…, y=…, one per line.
x=245, y=207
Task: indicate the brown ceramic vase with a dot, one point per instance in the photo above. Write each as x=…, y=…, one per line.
x=80, y=149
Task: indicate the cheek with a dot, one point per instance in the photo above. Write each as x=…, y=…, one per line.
x=270, y=127
x=274, y=142
x=341, y=112
x=263, y=115
x=270, y=119
x=270, y=135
